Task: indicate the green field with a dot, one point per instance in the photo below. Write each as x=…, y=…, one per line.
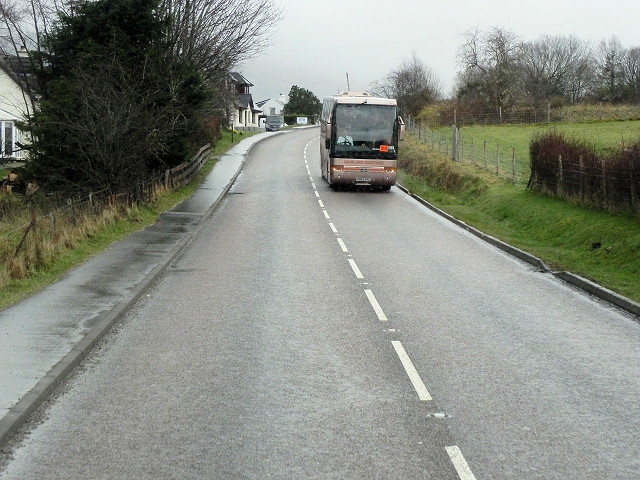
x=602, y=135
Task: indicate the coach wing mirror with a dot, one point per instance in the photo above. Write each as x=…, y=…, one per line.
x=327, y=141
x=401, y=129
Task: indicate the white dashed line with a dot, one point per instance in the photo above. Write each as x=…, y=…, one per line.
x=342, y=245
x=376, y=306
x=417, y=382
x=321, y=204
x=464, y=472
x=326, y=215
x=333, y=228
x=355, y=268
x=317, y=194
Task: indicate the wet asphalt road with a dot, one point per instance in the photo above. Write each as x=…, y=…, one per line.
x=272, y=349
x=43, y=334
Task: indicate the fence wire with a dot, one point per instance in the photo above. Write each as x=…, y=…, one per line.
x=462, y=148
x=52, y=215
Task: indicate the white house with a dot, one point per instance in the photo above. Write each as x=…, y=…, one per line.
x=245, y=115
x=12, y=107
x=272, y=106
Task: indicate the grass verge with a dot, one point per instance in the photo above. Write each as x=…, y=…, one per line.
x=558, y=232
x=136, y=219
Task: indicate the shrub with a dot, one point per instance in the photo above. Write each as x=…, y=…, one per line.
x=573, y=169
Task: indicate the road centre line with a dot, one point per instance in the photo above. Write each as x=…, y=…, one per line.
x=321, y=204
x=376, y=306
x=417, y=382
x=355, y=268
x=326, y=215
x=460, y=464
x=317, y=194
x=342, y=245
x=333, y=227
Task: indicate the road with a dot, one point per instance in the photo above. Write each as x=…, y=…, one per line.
x=312, y=333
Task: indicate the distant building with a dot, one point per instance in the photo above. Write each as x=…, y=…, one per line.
x=272, y=106
x=245, y=115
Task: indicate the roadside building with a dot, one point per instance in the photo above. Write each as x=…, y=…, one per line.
x=245, y=115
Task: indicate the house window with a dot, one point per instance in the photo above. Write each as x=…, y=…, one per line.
x=8, y=137
x=272, y=111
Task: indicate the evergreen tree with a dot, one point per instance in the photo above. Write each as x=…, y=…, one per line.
x=115, y=103
x=302, y=102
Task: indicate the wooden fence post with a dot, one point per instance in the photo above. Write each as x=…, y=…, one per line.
x=559, y=186
x=473, y=151
x=24, y=236
x=634, y=194
x=581, y=179
x=485, y=155
x=73, y=212
x=604, y=185
x=513, y=162
x=455, y=143
x=498, y=160
x=52, y=226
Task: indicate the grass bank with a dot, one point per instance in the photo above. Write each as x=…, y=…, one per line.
x=560, y=233
x=99, y=239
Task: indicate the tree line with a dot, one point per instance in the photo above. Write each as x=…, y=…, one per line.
x=116, y=90
x=499, y=70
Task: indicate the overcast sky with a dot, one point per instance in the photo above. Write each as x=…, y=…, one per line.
x=318, y=42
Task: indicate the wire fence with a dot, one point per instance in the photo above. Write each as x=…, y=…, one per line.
x=499, y=117
x=565, y=169
x=55, y=222
x=557, y=166
x=461, y=115
x=454, y=144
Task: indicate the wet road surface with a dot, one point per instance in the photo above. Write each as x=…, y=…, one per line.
x=307, y=333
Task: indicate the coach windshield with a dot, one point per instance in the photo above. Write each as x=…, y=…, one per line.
x=362, y=130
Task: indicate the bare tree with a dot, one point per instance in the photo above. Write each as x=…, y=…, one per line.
x=556, y=66
x=490, y=66
x=217, y=34
x=413, y=84
x=213, y=35
x=630, y=66
x=610, y=56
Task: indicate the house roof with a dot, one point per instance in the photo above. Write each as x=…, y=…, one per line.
x=17, y=67
x=244, y=100
x=239, y=79
x=262, y=102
